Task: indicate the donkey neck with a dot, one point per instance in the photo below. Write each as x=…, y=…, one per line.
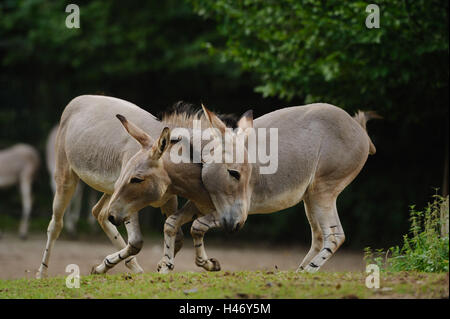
x=186, y=176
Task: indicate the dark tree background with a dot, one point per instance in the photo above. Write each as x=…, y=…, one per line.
x=236, y=55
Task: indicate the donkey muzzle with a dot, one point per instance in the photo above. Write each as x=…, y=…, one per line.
x=231, y=225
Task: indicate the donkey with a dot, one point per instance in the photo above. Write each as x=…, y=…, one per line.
x=18, y=165
x=321, y=150
x=72, y=214
x=92, y=145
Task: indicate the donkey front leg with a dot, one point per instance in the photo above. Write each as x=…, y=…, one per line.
x=99, y=213
x=168, y=209
x=171, y=232
x=199, y=227
x=134, y=245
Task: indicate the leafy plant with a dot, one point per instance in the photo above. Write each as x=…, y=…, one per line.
x=426, y=248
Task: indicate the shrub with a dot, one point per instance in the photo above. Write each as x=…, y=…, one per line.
x=425, y=248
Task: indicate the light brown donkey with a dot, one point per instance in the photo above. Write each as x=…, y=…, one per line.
x=321, y=149
x=93, y=145
x=18, y=165
x=72, y=214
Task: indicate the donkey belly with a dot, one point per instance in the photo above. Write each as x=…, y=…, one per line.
x=279, y=201
x=101, y=183
x=96, y=162
x=94, y=170
x=318, y=145
x=94, y=141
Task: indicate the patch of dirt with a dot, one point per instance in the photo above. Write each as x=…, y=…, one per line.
x=21, y=259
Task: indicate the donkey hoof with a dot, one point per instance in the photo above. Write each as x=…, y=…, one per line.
x=139, y=271
x=310, y=269
x=215, y=264
x=163, y=268
x=94, y=270
x=134, y=267
x=23, y=236
x=40, y=275
x=300, y=269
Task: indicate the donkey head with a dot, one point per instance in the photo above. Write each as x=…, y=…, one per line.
x=143, y=180
x=227, y=182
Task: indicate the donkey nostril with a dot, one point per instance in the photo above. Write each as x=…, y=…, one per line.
x=227, y=225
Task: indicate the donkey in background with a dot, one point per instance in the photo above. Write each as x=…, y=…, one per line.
x=18, y=165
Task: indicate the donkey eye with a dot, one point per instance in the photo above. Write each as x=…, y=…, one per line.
x=234, y=174
x=136, y=180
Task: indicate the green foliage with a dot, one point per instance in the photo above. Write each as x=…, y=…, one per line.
x=425, y=249
x=322, y=50
x=107, y=34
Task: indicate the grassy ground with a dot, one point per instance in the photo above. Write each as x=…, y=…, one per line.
x=243, y=284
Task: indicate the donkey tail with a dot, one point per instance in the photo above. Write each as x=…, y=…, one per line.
x=362, y=117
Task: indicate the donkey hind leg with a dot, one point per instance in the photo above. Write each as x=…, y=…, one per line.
x=92, y=199
x=199, y=227
x=316, y=235
x=65, y=187
x=27, y=202
x=132, y=248
x=169, y=209
x=99, y=213
x=171, y=229
x=333, y=235
x=72, y=214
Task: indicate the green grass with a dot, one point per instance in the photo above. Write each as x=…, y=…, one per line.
x=244, y=284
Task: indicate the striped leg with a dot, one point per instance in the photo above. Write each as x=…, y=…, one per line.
x=64, y=191
x=99, y=212
x=134, y=245
x=179, y=238
x=171, y=230
x=169, y=209
x=199, y=227
x=333, y=235
x=316, y=234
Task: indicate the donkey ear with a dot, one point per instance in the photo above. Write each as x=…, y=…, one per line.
x=214, y=121
x=246, y=121
x=139, y=135
x=161, y=145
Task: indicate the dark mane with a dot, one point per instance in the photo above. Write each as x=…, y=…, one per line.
x=183, y=114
